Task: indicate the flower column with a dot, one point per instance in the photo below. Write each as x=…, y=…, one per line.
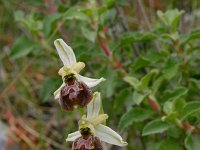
x=75, y=92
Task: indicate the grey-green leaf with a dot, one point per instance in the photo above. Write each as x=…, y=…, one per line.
x=146, y=79
x=48, y=87
x=168, y=107
x=89, y=34
x=177, y=93
x=192, y=142
x=155, y=126
x=75, y=13
x=138, y=97
x=170, y=144
x=132, y=81
x=22, y=47
x=190, y=108
x=121, y=98
x=134, y=115
x=171, y=69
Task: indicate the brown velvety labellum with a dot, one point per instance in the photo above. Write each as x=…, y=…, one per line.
x=74, y=93
x=87, y=142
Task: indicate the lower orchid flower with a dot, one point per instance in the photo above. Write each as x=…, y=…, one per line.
x=91, y=128
x=75, y=90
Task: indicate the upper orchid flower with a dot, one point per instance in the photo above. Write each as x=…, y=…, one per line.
x=92, y=124
x=71, y=67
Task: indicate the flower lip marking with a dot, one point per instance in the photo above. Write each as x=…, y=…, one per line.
x=87, y=141
x=74, y=93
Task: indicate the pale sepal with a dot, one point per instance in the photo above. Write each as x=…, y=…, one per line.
x=93, y=107
x=108, y=135
x=65, y=52
x=73, y=136
x=90, y=82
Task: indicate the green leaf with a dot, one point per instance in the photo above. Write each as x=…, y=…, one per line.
x=50, y=23
x=152, y=145
x=146, y=79
x=137, y=85
x=155, y=126
x=132, y=81
x=140, y=63
x=147, y=37
x=22, y=47
x=112, y=81
x=170, y=144
x=173, y=36
x=129, y=38
x=134, y=115
x=155, y=57
x=105, y=7
x=48, y=87
x=156, y=84
x=36, y=2
x=19, y=15
x=179, y=105
x=168, y=107
x=171, y=69
x=75, y=13
x=190, y=108
x=177, y=93
x=170, y=18
x=138, y=97
x=192, y=142
x=121, y=98
x=192, y=36
x=175, y=132
x=162, y=17
x=88, y=34
x=176, y=20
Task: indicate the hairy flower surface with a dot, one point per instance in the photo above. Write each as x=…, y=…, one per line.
x=87, y=142
x=74, y=93
x=71, y=66
x=94, y=122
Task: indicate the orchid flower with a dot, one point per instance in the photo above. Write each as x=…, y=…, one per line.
x=68, y=58
x=93, y=120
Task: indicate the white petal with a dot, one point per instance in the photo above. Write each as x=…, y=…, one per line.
x=89, y=81
x=65, y=52
x=107, y=135
x=94, y=106
x=57, y=92
x=73, y=136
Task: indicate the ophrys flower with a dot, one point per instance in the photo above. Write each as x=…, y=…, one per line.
x=74, y=85
x=92, y=124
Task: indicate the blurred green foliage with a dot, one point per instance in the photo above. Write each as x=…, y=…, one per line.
x=147, y=50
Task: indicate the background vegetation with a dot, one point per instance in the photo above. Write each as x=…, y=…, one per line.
x=150, y=59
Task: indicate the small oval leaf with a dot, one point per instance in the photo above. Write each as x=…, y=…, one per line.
x=134, y=115
x=190, y=108
x=155, y=126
